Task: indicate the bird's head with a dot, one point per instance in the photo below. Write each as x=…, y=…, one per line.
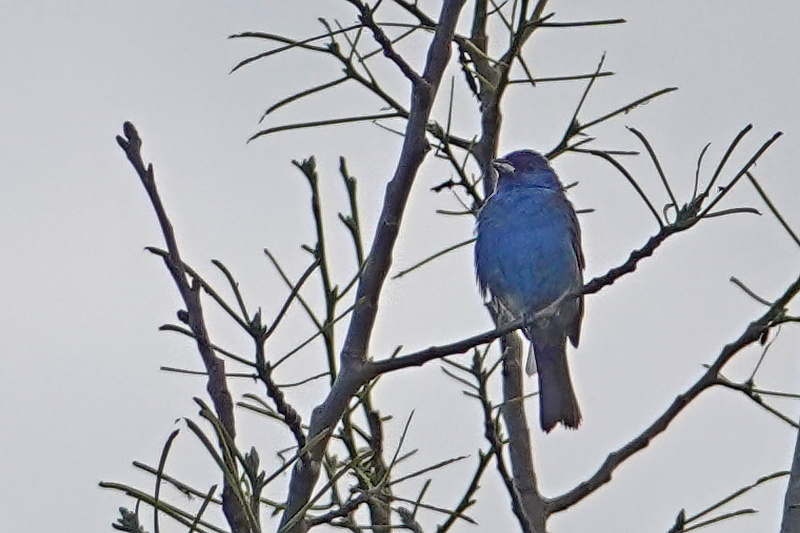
x=526, y=167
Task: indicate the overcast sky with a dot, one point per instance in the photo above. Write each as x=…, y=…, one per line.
x=81, y=394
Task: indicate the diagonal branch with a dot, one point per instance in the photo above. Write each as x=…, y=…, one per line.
x=772, y=208
x=217, y=386
x=380, y=37
x=751, y=334
x=419, y=358
x=622, y=170
x=747, y=166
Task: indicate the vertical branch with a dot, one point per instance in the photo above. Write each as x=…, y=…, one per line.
x=352, y=221
x=379, y=506
x=494, y=80
x=489, y=94
x=492, y=434
x=519, y=437
x=379, y=511
x=791, y=511
x=309, y=169
x=353, y=357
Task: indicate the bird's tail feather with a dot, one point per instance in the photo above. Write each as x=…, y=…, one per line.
x=557, y=401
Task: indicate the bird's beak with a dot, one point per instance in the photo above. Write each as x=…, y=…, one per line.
x=502, y=166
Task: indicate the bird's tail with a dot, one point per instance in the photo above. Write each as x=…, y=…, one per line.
x=557, y=401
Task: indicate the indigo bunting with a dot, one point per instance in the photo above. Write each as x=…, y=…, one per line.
x=527, y=255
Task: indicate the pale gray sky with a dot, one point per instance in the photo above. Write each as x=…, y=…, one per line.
x=81, y=395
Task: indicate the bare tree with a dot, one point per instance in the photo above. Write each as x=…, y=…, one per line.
x=342, y=442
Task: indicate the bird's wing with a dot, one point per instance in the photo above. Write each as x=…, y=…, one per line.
x=574, y=312
x=575, y=229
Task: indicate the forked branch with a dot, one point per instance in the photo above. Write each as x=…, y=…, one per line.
x=189, y=290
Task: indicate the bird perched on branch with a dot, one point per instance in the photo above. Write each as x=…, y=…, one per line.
x=528, y=255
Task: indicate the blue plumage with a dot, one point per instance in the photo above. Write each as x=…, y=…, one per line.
x=527, y=255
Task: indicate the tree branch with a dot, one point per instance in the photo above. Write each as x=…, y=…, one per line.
x=380, y=37
x=751, y=334
x=190, y=293
x=353, y=355
x=519, y=437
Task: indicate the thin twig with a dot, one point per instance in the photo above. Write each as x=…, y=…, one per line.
x=772, y=208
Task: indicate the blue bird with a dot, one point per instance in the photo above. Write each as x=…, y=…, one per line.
x=527, y=255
